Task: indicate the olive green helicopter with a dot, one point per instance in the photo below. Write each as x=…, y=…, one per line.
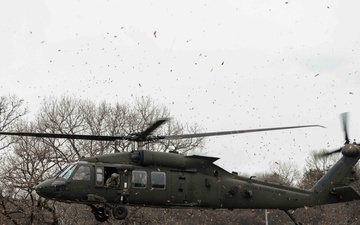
x=109, y=183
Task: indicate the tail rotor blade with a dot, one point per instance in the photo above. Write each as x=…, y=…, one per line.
x=325, y=154
x=344, y=118
x=344, y=121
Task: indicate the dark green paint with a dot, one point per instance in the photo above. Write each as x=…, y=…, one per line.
x=186, y=181
x=194, y=181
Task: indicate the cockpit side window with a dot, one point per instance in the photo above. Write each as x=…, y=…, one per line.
x=139, y=179
x=67, y=172
x=82, y=173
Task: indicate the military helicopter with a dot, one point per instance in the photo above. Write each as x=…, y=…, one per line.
x=109, y=183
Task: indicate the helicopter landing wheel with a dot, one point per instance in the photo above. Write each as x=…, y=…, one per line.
x=120, y=212
x=101, y=214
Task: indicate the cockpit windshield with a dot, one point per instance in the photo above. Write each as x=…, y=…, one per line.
x=66, y=173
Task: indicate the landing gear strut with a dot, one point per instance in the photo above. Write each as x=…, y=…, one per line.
x=101, y=213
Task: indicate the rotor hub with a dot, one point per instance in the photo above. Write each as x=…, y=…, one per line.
x=350, y=150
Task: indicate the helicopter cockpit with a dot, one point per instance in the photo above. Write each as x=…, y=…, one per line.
x=81, y=179
x=55, y=187
x=67, y=171
x=83, y=172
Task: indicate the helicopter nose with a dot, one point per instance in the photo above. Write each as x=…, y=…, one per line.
x=44, y=188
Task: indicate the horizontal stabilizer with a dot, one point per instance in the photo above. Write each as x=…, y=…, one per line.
x=345, y=194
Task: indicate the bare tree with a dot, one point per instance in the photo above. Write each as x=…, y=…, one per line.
x=30, y=160
x=11, y=110
x=75, y=116
x=320, y=163
x=289, y=172
x=284, y=173
x=316, y=167
x=28, y=163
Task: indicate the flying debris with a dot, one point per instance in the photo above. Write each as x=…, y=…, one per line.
x=109, y=183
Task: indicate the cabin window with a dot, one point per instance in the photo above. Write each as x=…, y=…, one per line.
x=99, y=176
x=158, y=180
x=82, y=173
x=67, y=172
x=139, y=179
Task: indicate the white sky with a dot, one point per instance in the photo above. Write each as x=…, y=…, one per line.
x=227, y=65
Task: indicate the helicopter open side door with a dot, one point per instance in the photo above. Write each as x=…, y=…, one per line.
x=115, y=191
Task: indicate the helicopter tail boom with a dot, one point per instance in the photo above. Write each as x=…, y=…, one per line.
x=334, y=185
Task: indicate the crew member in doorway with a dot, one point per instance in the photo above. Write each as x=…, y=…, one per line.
x=113, y=181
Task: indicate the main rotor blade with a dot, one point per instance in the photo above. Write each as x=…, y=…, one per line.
x=181, y=136
x=67, y=136
x=142, y=136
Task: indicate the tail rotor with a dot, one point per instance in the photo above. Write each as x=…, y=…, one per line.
x=350, y=150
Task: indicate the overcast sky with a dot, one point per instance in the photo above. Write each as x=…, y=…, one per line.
x=226, y=65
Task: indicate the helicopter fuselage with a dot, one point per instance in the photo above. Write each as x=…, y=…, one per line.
x=166, y=180
x=160, y=179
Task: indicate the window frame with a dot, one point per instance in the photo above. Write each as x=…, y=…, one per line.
x=87, y=173
x=135, y=179
x=67, y=172
x=157, y=184
x=99, y=179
